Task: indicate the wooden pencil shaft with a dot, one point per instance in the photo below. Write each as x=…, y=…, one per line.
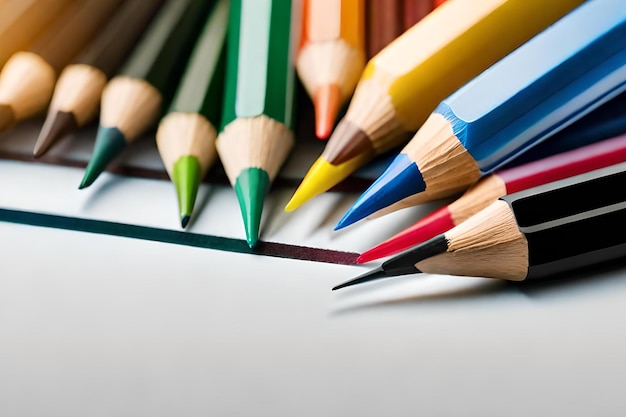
x=415, y=10
x=201, y=87
x=260, y=76
x=72, y=30
x=164, y=47
x=328, y=20
x=23, y=20
x=112, y=45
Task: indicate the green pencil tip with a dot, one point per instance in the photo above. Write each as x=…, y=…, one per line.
x=56, y=125
x=7, y=117
x=186, y=176
x=110, y=142
x=251, y=187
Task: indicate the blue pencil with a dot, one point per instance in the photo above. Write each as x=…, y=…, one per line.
x=554, y=79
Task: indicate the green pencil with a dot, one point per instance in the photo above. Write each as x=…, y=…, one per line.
x=133, y=100
x=186, y=135
x=256, y=134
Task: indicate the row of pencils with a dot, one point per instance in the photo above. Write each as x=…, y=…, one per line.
x=214, y=78
x=508, y=105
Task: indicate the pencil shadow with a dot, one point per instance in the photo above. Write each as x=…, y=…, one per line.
x=274, y=215
x=203, y=198
x=104, y=188
x=480, y=290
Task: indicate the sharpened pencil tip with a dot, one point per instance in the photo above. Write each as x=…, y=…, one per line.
x=401, y=179
x=7, y=117
x=326, y=101
x=372, y=275
x=56, y=125
x=251, y=188
x=186, y=176
x=184, y=221
x=109, y=143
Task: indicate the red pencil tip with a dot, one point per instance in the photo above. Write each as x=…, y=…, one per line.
x=326, y=101
x=437, y=222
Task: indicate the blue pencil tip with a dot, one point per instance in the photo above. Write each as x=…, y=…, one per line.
x=400, y=180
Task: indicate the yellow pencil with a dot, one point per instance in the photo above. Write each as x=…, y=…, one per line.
x=405, y=81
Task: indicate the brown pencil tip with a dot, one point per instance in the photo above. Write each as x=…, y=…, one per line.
x=327, y=100
x=7, y=117
x=57, y=125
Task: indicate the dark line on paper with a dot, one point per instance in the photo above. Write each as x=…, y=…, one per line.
x=279, y=250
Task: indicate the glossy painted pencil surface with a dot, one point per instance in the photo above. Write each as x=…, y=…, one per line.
x=532, y=234
x=133, y=100
x=403, y=83
x=331, y=56
x=186, y=135
x=502, y=182
x=256, y=134
x=551, y=81
x=27, y=79
x=77, y=93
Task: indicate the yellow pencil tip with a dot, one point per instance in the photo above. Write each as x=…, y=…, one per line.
x=326, y=101
x=321, y=177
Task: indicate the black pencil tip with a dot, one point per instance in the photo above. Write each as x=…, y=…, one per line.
x=184, y=221
x=372, y=275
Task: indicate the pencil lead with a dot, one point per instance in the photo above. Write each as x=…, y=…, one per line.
x=186, y=179
x=327, y=101
x=109, y=143
x=56, y=125
x=401, y=179
x=251, y=187
x=439, y=221
x=184, y=221
x=372, y=275
x=321, y=177
x=7, y=117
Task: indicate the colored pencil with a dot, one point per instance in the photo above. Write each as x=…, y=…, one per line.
x=384, y=24
x=532, y=234
x=604, y=122
x=134, y=99
x=28, y=77
x=551, y=81
x=21, y=21
x=331, y=56
x=256, y=134
x=415, y=10
x=78, y=90
x=186, y=135
x=499, y=183
x=404, y=82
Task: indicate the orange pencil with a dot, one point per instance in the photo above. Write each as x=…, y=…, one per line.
x=331, y=56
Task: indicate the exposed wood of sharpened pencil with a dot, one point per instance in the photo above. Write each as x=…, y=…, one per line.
x=331, y=56
x=186, y=135
x=134, y=99
x=256, y=134
x=481, y=127
x=403, y=83
x=532, y=234
x=78, y=90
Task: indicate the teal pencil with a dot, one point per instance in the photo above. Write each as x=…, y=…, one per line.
x=256, y=133
x=133, y=100
x=186, y=135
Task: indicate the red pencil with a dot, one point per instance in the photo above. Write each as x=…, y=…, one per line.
x=502, y=182
x=415, y=10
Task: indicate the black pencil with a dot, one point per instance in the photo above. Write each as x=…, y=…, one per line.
x=535, y=233
x=77, y=93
